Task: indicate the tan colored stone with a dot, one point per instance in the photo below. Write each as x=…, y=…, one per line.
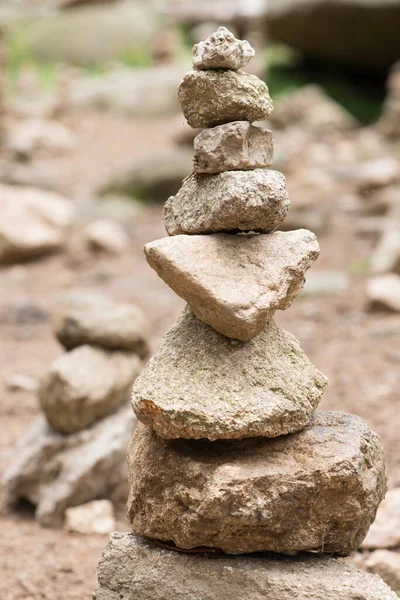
x=134, y=568
x=235, y=283
x=96, y=516
x=209, y=98
x=85, y=318
x=233, y=146
x=221, y=50
x=227, y=202
x=314, y=491
x=386, y=564
x=201, y=384
x=383, y=292
x=106, y=235
x=385, y=530
x=85, y=385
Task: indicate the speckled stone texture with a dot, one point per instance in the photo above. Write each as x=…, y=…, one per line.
x=201, y=384
x=315, y=491
x=235, y=283
x=134, y=568
x=221, y=50
x=233, y=146
x=210, y=98
x=228, y=202
x=85, y=385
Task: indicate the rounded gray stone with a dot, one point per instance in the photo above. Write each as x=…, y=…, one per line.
x=221, y=50
x=316, y=491
x=209, y=98
x=201, y=384
x=228, y=202
x=232, y=147
x=134, y=568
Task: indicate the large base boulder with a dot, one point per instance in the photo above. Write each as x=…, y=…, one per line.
x=317, y=490
x=134, y=568
x=55, y=471
x=201, y=384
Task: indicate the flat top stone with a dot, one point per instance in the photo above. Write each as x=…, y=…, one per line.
x=228, y=202
x=201, y=384
x=316, y=490
x=235, y=282
x=221, y=50
x=132, y=567
x=209, y=98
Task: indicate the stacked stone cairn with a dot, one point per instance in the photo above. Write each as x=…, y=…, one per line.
x=75, y=450
x=229, y=457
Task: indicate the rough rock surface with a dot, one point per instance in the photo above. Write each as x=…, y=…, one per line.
x=231, y=201
x=32, y=222
x=55, y=471
x=235, y=283
x=385, y=531
x=132, y=567
x=221, y=50
x=201, y=384
x=85, y=385
x=85, y=318
x=315, y=491
x=210, y=98
x=386, y=564
x=233, y=146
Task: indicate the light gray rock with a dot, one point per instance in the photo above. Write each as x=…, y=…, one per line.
x=32, y=222
x=84, y=385
x=221, y=50
x=106, y=235
x=210, y=98
x=31, y=135
x=201, y=384
x=235, y=283
x=314, y=491
x=231, y=201
x=132, y=567
x=55, y=471
x=86, y=318
x=386, y=564
x=383, y=292
x=385, y=530
x=389, y=122
x=233, y=146
x=96, y=516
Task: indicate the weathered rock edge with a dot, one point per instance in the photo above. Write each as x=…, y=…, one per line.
x=201, y=384
x=235, y=283
x=132, y=567
x=316, y=491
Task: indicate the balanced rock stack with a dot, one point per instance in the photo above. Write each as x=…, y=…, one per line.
x=212, y=470
x=75, y=451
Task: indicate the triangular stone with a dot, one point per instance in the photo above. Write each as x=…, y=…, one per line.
x=235, y=283
x=201, y=384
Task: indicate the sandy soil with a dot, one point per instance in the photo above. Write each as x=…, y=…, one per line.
x=357, y=350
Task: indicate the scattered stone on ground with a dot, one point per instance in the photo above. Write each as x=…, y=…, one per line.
x=221, y=50
x=326, y=282
x=18, y=382
x=383, y=292
x=222, y=494
x=118, y=208
x=232, y=201
x=389, y=122
x=32, y=222
x=85, y=385
x=210, y=98
x=88, y=318
x=96, y=516
x=386, y=564
x=28, y=136
x=201, y=384
x=233, y=146
x=133, y=567
x=376, y=173
x=235, y=283
x=385, y=531
x=54, y=471
x=106, y=235
x=386, y=255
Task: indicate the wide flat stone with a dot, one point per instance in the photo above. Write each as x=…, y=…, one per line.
x=235, y=283
x=201, y=384
x=233, y=146
x=84, y=385
x=314, y=491
x=134, y=568
x=209, y=98
x=228, y=202
x=221, y=50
